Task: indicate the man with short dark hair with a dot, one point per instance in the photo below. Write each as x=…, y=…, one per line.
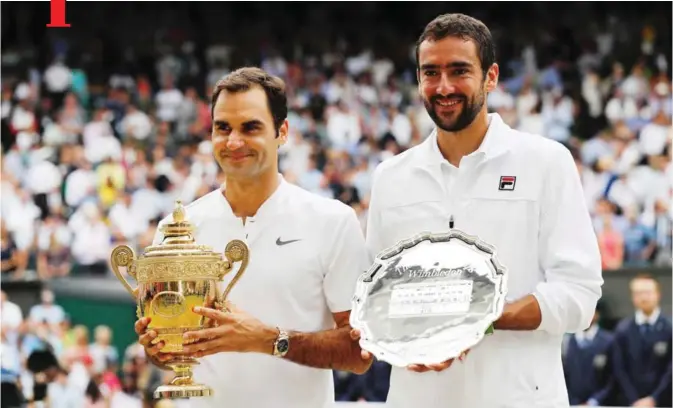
x=288, y=323
x=517, y=191
x=642, y=349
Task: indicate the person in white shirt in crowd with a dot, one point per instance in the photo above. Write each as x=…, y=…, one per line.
x=101, y=350
x=11, y=315
x=287, y=324
x=136, y=125
x=47, y=310
x=80, y=184
x=18, y=229
x=57, y=80
x=455, y=180
x=62, y=393
x=22, y=116
x=400, y=126
x=127, y=221
x=655, y=135
x=343, y=127
x=557, y=113
x=43, y=181
x=168, y=101
x=99, y=139
x=91, y=240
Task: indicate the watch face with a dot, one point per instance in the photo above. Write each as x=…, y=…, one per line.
x=282, y=345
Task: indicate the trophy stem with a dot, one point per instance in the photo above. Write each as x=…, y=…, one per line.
x=183, y=385
x=183, y=373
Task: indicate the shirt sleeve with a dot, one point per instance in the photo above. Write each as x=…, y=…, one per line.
x=345, y=260
x=374, y=238
x=569, y=254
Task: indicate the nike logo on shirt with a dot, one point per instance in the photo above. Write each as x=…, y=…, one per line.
x=281, y=243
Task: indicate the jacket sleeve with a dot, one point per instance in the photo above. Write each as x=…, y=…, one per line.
x=568, y=250
x=621, y=373
x=664, y=383
x=601, y=395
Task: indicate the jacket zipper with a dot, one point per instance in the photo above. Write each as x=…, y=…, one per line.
x=451, y=222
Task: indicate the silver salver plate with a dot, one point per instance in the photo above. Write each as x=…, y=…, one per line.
x=429, y=298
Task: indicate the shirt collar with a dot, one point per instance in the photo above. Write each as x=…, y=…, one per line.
x=493, y=145
x=652, y=319
x=269, y=207
x=589, y=334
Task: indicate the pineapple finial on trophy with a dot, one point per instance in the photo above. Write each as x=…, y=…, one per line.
x=179, y=212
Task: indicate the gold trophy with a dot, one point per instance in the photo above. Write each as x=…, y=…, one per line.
x=173, y=277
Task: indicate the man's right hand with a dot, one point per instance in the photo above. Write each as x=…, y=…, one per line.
x=145, y=338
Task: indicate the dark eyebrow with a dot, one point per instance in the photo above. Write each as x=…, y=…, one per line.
x=253, y=122
x=455, y=64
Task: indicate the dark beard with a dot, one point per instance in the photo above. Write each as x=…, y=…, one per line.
x=471, y=109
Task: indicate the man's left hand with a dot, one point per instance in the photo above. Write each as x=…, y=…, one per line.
x=234, y=331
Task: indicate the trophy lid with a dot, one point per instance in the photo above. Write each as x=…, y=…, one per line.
x=178, y=238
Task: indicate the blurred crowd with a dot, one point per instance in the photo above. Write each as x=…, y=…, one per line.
x=89, y=163
x=48, y=358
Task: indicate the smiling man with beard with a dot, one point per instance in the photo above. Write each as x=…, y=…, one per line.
x=517, y=191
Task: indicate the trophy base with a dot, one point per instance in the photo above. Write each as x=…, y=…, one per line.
x=182, y=391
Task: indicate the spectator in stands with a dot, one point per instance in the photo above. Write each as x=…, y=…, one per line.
x=660, y=218
x=47, y=311
x=53, y=258
x=639, y=241
x=62, y=394
x=611, y=245
x=102, y=352
x=642, y=349
x=91, y=242
x=14, y=260
x=11, y=315
x=587, y=365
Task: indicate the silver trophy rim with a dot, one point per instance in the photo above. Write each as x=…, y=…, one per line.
x=498, y=274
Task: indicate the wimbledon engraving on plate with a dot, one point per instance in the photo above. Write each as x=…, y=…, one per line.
x=430, y=299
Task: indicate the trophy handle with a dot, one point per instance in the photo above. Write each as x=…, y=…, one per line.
x=236, y=251
x=123, y=256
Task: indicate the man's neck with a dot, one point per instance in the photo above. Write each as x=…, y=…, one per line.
x=246, y=196
x=455, y=145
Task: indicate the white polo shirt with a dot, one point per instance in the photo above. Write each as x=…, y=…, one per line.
x=522, y=194
x=293, y=285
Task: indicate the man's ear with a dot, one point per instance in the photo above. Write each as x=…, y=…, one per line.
x=283, y=131
x=492, y=76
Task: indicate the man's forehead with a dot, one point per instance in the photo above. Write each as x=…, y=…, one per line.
x=241, y=107
x=643, y=284
x=445, y=50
